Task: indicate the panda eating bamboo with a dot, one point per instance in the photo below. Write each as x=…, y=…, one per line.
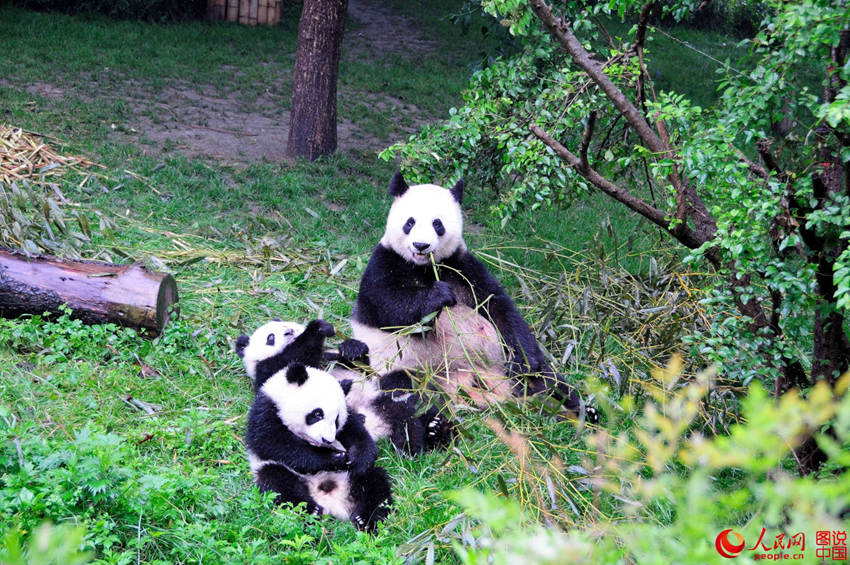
x=474, y=340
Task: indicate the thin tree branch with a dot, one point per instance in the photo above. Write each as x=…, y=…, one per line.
x=763, y=148
x=640, y=40
x=567, y=39
x=703, y=221
x=754, y=167
x=643, y=208
x=684, y=234
x=585, y=142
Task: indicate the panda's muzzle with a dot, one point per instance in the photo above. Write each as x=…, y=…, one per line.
x=421, y=250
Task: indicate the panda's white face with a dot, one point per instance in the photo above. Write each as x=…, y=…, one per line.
x=312, y=407
x=267, y=341
x=424, y=221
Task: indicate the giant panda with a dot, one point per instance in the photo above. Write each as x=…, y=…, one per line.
x=388, y=406
x=478, y=344
x=304, y=444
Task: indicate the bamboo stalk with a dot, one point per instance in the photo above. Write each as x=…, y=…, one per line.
x=243, y=11
x=215, y=9
x=232, y=10
x=276, y=18
x=253, y=7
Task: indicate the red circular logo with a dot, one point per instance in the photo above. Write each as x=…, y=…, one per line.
x=727, y=547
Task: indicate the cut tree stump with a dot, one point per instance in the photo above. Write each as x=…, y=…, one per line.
x=96, y=292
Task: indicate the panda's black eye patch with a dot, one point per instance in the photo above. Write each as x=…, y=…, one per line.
x=408, y=225
x=439, y=227
x=314, y=416
x=270, y=339
x=289, y=332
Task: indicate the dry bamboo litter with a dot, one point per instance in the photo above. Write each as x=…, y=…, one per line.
x=26, y=156
x=246, y=12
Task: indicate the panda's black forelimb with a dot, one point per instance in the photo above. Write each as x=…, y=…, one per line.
x=394, y=293
x=288, y=486
x=306, y=349
x=361, y=450
x=270, y=440
x=373, y=492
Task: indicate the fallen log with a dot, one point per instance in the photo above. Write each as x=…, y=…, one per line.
x=96, y=292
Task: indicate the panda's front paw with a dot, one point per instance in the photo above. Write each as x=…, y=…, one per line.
x=322, y=328
x=339, y=461
x=441, y=295
x=591, y=415
x=359, y=460
x=353, y=350
x=314, y=509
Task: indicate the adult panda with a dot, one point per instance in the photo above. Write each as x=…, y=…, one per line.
x=303, y=444
x=388, y=406
x=478, y=342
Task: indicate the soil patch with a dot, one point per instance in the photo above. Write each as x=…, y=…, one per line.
x=231, y=127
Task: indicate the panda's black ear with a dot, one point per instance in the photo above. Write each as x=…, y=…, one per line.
x=457, y=191
x=241, y=344
x=397, y=185
x=297, y=374
x=346, y=386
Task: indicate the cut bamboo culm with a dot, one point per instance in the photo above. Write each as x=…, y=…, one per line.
x=246, y=12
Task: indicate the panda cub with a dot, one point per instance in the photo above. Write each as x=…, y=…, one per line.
x=478, y=343
x=277, y=344
x=303, y=444
x=387, y=405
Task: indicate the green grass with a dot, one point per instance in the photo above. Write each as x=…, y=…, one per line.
x=247, y=243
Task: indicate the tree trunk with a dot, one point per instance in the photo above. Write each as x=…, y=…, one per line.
x=96, y=292
x=312, y=125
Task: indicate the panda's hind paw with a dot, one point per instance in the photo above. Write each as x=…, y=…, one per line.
x=358, y=521
x=353, y=350
x=439, y=430
x=591, y=415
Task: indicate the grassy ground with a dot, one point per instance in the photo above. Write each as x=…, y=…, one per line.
x=248, y=239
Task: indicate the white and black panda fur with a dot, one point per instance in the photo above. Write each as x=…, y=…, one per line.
x=478, y=343
x=304, y=444
x=387, y=403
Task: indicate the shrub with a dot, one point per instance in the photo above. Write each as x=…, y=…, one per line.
x=675, y=491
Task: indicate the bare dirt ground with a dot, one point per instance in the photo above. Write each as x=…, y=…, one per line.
x=202, y=122
x=229, y=127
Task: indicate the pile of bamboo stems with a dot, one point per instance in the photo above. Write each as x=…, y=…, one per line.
x=248, y=12
x=26, y=156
